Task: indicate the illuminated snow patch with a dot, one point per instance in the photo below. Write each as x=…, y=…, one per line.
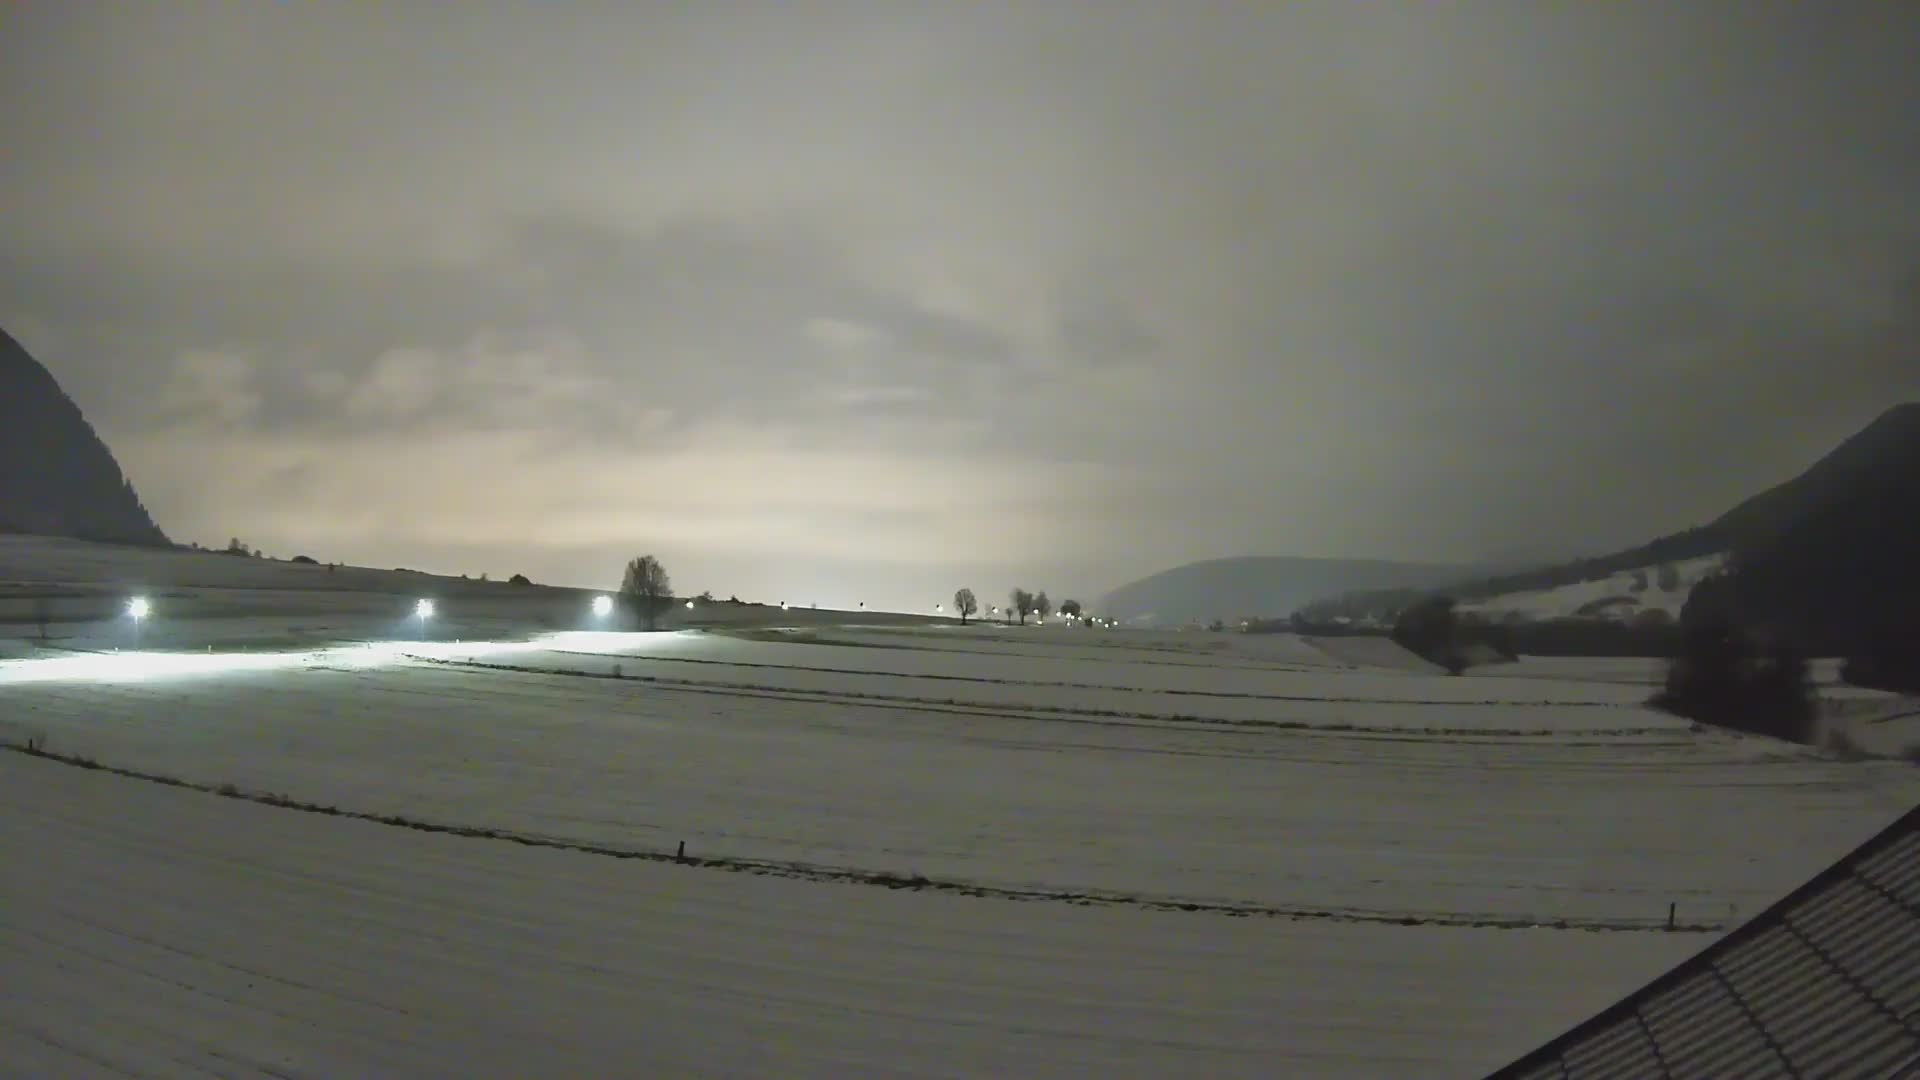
x=136, y=666
x=610, y=641
x=140, y=666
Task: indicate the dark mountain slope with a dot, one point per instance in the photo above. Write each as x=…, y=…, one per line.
x=56, y=477
x=1830, y=548
x=1836, y=560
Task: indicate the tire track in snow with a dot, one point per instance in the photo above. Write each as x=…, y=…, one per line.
x=804, y=871
x=1062, y=712
x=1243, y=695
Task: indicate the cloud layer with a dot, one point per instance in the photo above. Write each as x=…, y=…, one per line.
x=879, y=299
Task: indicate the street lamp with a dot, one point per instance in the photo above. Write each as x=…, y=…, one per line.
x=138, y=609
x=423, y=610
x=603, y=606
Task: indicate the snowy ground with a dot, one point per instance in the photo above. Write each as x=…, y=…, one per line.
x=1624, y=594
x=156, y=932
x=1433, y=874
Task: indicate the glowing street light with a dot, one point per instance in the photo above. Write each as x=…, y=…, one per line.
x=139, y=608
x=603, y=606
x=424, y=609
x=689, y=605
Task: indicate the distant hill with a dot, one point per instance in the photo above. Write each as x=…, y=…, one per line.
x=1256, y=586
x=1829, y=549
x=56, y=477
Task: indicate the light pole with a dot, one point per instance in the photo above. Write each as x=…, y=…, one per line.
x=423, y=611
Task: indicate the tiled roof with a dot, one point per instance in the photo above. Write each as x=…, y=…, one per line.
x=1825, y=983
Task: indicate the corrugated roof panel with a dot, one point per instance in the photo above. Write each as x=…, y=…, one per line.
x=1707, y=1033
x=1824, y=983
x=1879, y=956
x=1623, y=1050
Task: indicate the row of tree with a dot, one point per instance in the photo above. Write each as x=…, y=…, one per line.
x=647, y=591
x=1021, y=604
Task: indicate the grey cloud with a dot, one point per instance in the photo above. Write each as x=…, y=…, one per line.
x=1098, y=327
x=1325, y=279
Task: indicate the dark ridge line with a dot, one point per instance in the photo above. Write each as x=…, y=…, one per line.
x=800, y=871
x=1062, y=711
x=1236, y=694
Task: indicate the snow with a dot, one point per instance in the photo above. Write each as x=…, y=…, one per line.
x=162, y=932
x=1385, y=829
x=1566, y=601
x=1381, y=803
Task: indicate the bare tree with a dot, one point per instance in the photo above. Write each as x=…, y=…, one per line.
x=1071, y=608
x=1022, y=604
x=646, y=588
x=965, y=603
x=1042, y=606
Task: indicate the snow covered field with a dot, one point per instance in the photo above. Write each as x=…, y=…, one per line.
x=1432, y=874
x=1622, y=595
x=156, y=932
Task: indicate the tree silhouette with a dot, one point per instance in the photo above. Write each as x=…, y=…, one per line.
x=646, y=588
x=1042, y=606
x=1022, y=604
x=1430, y=630
x=965, y=603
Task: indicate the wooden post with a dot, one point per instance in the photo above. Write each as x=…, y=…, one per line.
x=1670, y=910
x=681, y=855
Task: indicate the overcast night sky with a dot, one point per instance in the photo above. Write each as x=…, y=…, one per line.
x=839, y=302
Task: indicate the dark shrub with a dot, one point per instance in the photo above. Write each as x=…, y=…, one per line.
x=1731, y=678
x=1431, y=630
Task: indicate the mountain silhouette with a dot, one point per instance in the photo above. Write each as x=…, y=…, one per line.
x=1826, y=555
x=56, y=477
x=1831, y=555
